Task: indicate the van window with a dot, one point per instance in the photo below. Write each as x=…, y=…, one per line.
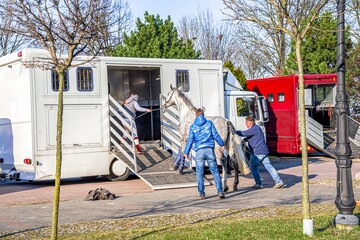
x=182, y=79
x=84, y=78
x=324, y=94
x=281, y=97
x=270, y=97
x=246, y=107
x=55, y=81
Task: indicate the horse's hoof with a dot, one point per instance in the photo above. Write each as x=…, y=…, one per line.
x=226, y=188
x=235, y=188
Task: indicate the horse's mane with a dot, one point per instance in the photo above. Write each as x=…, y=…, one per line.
x=187, y=101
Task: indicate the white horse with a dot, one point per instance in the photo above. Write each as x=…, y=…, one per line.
x=223, y=126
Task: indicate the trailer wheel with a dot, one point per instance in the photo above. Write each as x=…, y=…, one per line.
x=117, y=171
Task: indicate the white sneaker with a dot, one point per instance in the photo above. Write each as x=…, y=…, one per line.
x=279, y=185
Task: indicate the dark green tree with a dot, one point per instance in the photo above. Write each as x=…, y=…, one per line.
x=155, y=38
x=241, y=105
x=238, y=73
x=319, y=47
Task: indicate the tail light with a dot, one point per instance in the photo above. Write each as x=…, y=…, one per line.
x=27, y=161
x=307, y=147
x=1, y=160
x=19, y=54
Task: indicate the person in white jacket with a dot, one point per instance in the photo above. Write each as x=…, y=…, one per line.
x=131, y=105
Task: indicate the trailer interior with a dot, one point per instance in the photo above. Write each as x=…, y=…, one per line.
x=144, y=81
x=320, y=103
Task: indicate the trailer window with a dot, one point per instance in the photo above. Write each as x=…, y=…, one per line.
x=55, y=80
x=281, y=97
x=270, y=97
x=84, y=79
x=182, y=79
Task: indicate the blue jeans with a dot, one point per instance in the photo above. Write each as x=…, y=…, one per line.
x=202, y=155
x=264, y=160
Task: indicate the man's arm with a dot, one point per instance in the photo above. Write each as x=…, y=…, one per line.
x=246, y=133
x=140, y=109
x=216, y=135
x=189, y=143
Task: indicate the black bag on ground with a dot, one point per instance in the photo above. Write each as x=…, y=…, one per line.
x=100, y=194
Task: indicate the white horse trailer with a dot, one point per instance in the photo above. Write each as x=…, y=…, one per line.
x=28, y=111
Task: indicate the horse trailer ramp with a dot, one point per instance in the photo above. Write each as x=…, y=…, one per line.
x=153, y=167
x=330, y=145
x=324, y=140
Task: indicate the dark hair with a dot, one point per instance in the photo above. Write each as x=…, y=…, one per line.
x=199, y=112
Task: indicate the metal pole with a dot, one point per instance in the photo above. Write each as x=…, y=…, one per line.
x=344, y=201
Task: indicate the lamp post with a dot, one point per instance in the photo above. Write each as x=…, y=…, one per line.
x=344, y=201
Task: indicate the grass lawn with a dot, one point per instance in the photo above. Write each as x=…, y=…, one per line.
x=283, y=222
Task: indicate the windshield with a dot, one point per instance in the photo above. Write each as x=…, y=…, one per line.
x=324, y=95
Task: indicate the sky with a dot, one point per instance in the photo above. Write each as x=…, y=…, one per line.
x=175, y=8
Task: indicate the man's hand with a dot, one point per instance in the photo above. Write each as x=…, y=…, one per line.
x=222, y=148
x=148, y=110
x=186, y=156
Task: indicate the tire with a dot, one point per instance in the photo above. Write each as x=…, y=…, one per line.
x=117, y=171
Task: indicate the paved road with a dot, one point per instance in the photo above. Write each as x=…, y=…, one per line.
x=29, y=205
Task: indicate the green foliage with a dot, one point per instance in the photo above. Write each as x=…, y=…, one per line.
x=241, y=106
x=353, y=77
x=238, y=73
x=318, y=48
x=155, y=38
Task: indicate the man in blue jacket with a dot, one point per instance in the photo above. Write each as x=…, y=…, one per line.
x=203, y=133
x=259, y=153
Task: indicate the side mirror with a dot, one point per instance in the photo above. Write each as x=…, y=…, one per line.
x=265, y=109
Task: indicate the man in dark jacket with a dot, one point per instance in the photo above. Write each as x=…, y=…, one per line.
x=203, y=133
x=259, y=153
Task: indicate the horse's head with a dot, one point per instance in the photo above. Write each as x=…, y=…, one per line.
x=171, y=95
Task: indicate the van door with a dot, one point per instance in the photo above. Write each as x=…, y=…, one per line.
x=241, y=111
x=210, y=92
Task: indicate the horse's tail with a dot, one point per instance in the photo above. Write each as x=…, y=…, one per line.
x=236, y=149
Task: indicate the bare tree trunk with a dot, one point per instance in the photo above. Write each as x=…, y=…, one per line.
x=55, y=216
x=66, y=29
x=305, y=167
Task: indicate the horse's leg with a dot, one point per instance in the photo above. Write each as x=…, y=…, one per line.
x=224, y=165
x=229, y=166
x=176, y=162
x=236, y=173
x=181, y=163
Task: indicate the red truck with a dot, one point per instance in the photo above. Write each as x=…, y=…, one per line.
x=282, y=95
